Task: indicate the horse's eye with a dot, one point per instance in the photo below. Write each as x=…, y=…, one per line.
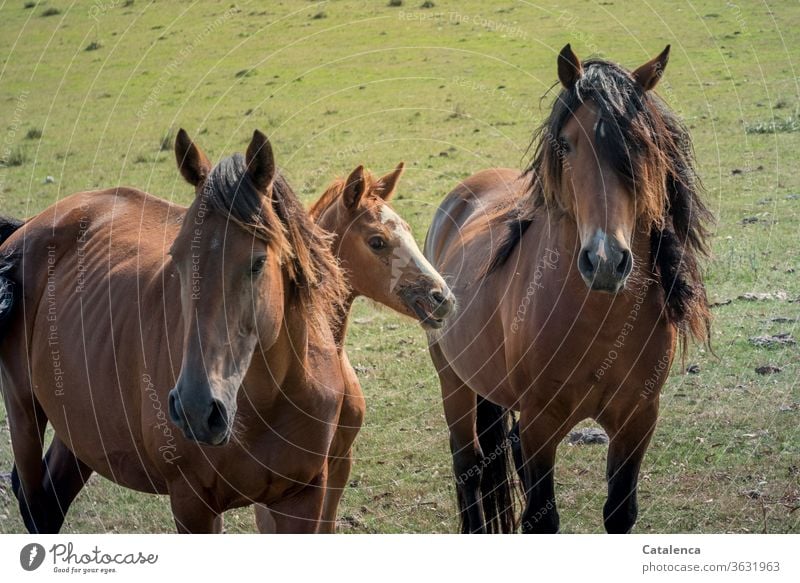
x=377, y=243
x=258, y=265
x=563, y=146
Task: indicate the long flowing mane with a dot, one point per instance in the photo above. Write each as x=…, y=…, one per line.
x=651, y=151
x=313, y=271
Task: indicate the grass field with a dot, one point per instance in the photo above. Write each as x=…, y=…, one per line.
x=91, y=93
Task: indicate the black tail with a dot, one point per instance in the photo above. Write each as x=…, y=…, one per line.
x=7, y=264
x=498, y=477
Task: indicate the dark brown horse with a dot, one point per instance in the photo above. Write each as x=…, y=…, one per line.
x=112, y=298
x=380, y=260
x=575, y=280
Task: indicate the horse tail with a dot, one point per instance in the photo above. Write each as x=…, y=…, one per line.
x=8, y=261
x=493, y=424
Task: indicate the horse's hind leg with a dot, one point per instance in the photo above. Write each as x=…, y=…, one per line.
x=27, y=434
x=629, y=437
x=65, y=476
x=460, y=404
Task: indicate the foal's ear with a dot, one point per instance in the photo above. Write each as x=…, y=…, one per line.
x=569, y=67
x=387, y=185
x=648, y=75
x=260, y=161
x=192, y=162
x=354, y=188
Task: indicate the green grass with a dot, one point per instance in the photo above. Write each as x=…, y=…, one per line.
x=375, y=84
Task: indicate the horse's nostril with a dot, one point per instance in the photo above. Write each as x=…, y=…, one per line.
x=218, y=418
x=438, y=297
x=174, y=407
x=625, y=264
x=585, y=264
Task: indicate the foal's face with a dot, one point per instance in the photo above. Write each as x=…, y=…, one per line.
x=382, y=259
x=231, y=299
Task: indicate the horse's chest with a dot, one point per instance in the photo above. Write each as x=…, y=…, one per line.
x=583, y=353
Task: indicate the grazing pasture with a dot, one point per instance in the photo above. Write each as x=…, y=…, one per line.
x=92, y=93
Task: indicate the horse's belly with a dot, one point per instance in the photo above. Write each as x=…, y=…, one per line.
x=475, y=351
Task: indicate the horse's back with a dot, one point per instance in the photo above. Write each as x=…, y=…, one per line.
x=465, y=215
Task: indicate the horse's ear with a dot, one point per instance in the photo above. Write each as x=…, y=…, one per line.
x=354, y=188
x=648, y=75
x=260, y=161
x=192, y=162
x=569, y=67
x=386, y=186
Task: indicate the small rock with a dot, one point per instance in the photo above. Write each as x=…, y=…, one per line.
x=587, y=436
x=48, y=180
x=757, y=296
x=767, y=369
x=766, y=341
x=693, y=369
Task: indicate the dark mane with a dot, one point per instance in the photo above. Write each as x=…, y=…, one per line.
x=305, y=250
x=651, y=151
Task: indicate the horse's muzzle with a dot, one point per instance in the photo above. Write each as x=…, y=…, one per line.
x=605, y=263
x=432, y=307
x=205, y=420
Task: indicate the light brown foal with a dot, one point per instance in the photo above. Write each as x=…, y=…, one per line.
x=381, y=261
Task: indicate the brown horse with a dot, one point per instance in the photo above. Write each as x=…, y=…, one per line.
x=111, y=298
x=381, y=260
x=575, y=281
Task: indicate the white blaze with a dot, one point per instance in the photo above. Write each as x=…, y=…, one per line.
x=407, y=252
x=601, y=247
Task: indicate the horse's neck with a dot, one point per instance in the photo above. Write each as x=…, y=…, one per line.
x=330, y=220
x=342, y=321
x=277, y=361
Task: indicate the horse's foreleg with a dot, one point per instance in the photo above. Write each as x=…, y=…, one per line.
x=540, y=432
x=340, y=458
x=629, y=438
x=264, y=520
x=301, y=512
x=192, y=513
x=460, y=404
